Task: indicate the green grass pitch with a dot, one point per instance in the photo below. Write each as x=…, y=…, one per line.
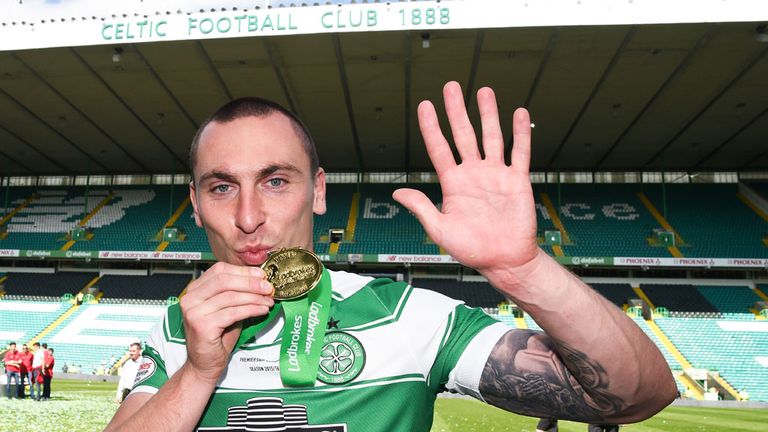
x=87, y=406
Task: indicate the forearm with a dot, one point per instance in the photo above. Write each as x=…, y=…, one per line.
x=600, y=346
x=177, y=406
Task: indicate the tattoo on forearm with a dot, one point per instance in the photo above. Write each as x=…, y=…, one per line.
x=527, y=374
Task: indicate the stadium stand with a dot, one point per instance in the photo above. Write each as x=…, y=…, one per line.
x=607, y=220
x=760, y=187
x=23, y=232
x=130, y=221
x=712, y=220
x=600, y=220
x=474, y=294
x=22, y=320
x=734, y=348
x=733, y=301
x=97, y=335
x=679, y=298
x=195, y=239
x=384, y=226
x=618, y=293
x=21, y=285
x=121, y=289
x=338, y=203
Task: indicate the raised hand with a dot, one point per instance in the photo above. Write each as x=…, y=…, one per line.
x=488, y=219
x=213, y=308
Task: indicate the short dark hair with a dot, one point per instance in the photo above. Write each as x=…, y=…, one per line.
x=50, y=349
x=11, y=343
x=36, y=344
x=255, y=107
x=136, y=344
x=45, y=345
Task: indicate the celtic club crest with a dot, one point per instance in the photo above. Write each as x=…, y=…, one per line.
x=341, y=359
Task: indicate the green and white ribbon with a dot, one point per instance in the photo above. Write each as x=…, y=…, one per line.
x=303, y=333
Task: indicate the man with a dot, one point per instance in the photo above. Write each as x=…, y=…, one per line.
x=12, y=360
x=389, y=348
x=26, y=371
x=38, y=360
x=48, y=363
x=128, y=372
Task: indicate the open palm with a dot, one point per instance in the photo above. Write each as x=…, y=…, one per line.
x=488, y=219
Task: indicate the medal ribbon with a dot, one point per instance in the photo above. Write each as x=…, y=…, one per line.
x=303, y=332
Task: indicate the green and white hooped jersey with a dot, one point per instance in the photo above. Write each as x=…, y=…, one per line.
x=388, y=351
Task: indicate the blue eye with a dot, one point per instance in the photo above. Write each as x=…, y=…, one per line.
x=276, y=182
x=221, y=188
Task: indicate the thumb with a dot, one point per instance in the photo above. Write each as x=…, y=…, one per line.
x=426, y=212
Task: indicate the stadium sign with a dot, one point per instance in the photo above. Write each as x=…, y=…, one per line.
x=418, y=259
x=585, y=261
x=146, y=255
x=692, y=262
x=43, y=24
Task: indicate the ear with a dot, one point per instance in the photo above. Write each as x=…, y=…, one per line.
x=195, y=207
x=318, y=205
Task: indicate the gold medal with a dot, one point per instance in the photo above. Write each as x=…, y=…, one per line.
x=293, y=272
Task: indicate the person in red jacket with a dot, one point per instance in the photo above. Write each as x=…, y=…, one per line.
x=26, y=371
x=48, y=364
x=12, y=362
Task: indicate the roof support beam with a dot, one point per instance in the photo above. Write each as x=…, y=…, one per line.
x=347, y=99
x=41, y=153
x=407, y=58
x=542, y=66
x=551, y=43
x=127, y=107
x=722, y=145
x=598, y=85
x=214, y=70
x=168, y=91
x=479, y=37
x=278, y=70
x=12, y=161
x=53, y=129
x=679, y=69
x=709, y=104
x=80, y=112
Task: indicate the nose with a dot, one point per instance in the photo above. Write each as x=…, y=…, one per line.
x=250, y=212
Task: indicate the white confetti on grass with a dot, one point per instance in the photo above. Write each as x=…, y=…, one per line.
x=78, y=410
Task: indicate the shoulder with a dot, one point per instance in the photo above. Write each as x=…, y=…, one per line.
x=345, y=284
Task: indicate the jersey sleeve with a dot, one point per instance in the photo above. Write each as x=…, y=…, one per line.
x=152, y=373
x=470, y=335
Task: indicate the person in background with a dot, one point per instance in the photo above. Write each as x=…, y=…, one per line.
x=26, y=371
x=12, y=362
x=128, y=372
x=38, y=359
x=48, y=365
